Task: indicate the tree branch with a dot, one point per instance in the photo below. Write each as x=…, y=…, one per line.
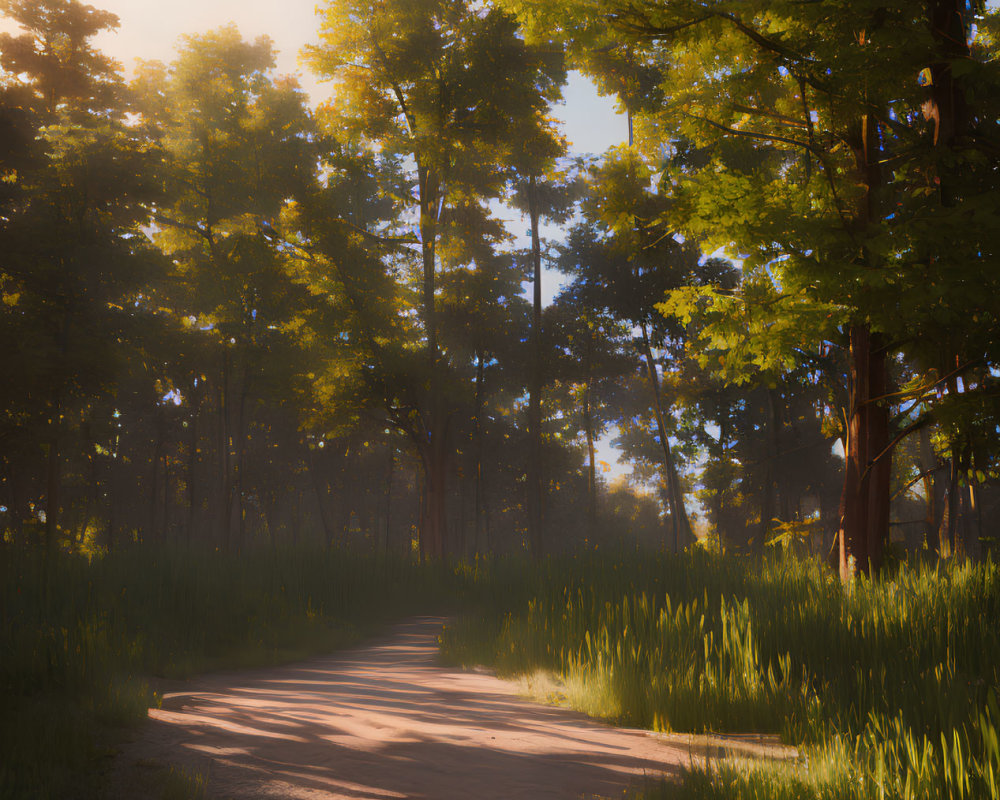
x=754, y=134
x=919, y=477
x=913, y=427
x=920, y=392
x=184, y=226
x=391, y=240
x=765, y=112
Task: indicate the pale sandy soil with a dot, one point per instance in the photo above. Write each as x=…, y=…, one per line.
x=382, y=721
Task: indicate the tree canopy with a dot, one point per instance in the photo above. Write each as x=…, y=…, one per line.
x=240, y=318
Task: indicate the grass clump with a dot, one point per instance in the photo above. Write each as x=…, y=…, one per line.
x=179, y=784
x=79, y=637
x=888, y=761
x=887, y=684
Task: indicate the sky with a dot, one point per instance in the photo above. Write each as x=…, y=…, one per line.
x=146, y=32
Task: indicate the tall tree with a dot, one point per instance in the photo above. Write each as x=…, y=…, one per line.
x=441, y=83
x=625, y=258
x=542, y=191
x=73, y=256
x=592, y=357
x=236, y=146
x=838, y=214
x=485, y=322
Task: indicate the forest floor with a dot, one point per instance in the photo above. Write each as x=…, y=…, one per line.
x=385, y=720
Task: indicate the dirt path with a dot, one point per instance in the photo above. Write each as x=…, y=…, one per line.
x=385, y=721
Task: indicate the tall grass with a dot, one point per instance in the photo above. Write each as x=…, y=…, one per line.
x=889, y=683
x=79, y=638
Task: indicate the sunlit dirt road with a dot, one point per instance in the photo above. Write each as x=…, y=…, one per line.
x=384, y=720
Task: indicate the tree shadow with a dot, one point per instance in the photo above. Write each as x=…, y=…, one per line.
x=384, y=721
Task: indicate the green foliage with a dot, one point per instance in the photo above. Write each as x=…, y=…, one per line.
x=889, y=761
x=328, y=284
x=220, y=110
x=451, y=94
x=66, y=74
x=74, y=260
x=755, y=334
x=840, y=152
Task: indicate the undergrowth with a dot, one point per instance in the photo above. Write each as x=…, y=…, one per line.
x=889, y=685
x=79, y=638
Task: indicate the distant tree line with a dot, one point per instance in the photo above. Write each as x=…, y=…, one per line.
x=230, y=319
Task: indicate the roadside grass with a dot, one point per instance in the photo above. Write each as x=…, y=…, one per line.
x=179, y=784
x=890, y=685
x=79, y=638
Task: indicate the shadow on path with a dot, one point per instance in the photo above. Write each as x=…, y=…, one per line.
x=385, y=721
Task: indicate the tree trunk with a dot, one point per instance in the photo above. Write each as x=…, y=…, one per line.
x=297, y=529
x=954, y=489
x=111, y=534
x=866, y=494
x=166, y=520
x=767, y=505
x=970, y=539
x=949, y=23
x=432, y=444
x=320, y=490
x=235, y=454
x=864, y=524
x=479, y=521
x=435, y=499
x=387, y=495
x=534, y=475
x=976, y=507
x=422, y=524
x=54, y=470
x=880, y=482
x=954, y=503
x=853, y=503
x=153, y=515
x=225, y=485
x=53, y=480
x=718, y=501
x=460, y=541
x=588, y=429
x=269, y=508
x=192, y=474
x=14, y=504
x=588, y=425
x=934, y=491
x=680, y=527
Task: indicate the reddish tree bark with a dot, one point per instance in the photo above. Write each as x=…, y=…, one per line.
x=864, y=525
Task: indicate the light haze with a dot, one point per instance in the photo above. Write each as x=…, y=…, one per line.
x=149, y=29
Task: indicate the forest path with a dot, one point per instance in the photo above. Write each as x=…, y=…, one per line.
x=385, y=720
